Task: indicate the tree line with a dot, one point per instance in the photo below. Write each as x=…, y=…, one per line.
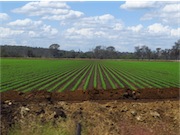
x=144, y=52
x=99, y=52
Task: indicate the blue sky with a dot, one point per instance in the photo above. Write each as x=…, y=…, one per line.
x=84, y=25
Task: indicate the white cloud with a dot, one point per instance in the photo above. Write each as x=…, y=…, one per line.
x=104, y=22
x=100, y=33
x=158, y=28
x=106, y=17
x=84, y=32
x=33, y=28
x=95, y=30
x=94, y=27
x=137, y=28
x=111, y=31
x=25, y=23
x=7, y=32
x=51, y=10
x=138, y=4
x=166, y=13
x=41, y=6
x=49, y=30
x=69, y=15
x=4, y=16
x=33, y=34
x=175, y=32
x=171, y=8
x=118, y=26
x=77, y=31
x=88, y=33
x=51, y=4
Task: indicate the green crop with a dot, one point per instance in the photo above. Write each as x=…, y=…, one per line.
x=88, y=78
x=102, y=78
x=60, y=74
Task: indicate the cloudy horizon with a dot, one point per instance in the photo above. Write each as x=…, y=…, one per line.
x=84, y=25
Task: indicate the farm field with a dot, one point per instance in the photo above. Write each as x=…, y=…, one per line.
x=40, y=91
x=70, y=75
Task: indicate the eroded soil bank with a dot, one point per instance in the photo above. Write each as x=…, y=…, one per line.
x=125, y=114
x=80, y=95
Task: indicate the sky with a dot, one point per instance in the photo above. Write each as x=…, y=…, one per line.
x=85, y=25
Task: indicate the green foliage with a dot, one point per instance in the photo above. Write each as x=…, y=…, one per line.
x=60, y=74
x=114, y=77
x=101, y=77
x=95, y=77
x=80, y=79
x=88, y=78
x=109, y=79
x=71, y=78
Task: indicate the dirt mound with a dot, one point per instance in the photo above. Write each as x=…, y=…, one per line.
x=99, y=112
x=80, y=95
x=107, y=118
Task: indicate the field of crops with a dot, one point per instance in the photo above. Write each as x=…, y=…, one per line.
x=60, y=75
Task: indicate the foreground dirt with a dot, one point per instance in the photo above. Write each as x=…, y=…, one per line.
x=80, y=95
x=124, y=115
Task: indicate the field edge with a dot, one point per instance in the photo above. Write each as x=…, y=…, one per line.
x=80, y=95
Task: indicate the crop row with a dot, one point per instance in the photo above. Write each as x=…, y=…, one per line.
x=60, y=75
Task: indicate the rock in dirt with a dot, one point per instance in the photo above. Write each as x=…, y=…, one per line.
x=24, y=110
x=129, y=94
x=133, y=112
x=124, y=109
x=139, y=118
x=155, y=114
x=59, y=113
x=8, y=102
x=125, y=95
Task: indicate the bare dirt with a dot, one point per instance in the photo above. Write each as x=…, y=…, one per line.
x=80, y=95
x=99, y=112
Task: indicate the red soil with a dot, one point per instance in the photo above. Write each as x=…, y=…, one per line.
x=80, y=95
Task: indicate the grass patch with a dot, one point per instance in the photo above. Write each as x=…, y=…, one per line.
x=36, y=127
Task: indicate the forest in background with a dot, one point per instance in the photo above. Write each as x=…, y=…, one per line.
x=99, y=52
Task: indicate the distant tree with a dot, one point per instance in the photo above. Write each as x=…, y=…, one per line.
x=158, y=52
x=54, y=46
x=176, y=50
x=110, y=48
x=111, y=52
x=54, y=50
x=3, y=52
x=89, y=54
x=137, y=52
x=70, y=54
x=148, y=52
x=166, y=54
x=98, y=51
x=142, y=52
x=30, y=53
